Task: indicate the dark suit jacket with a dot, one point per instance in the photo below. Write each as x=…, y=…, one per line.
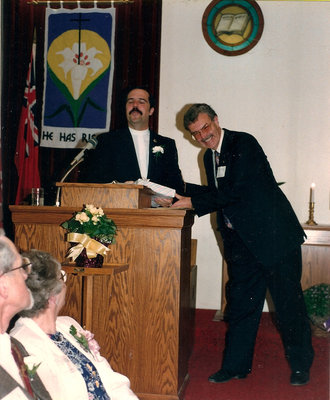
x=8, y=384
x=252, y=200
x=115, y=159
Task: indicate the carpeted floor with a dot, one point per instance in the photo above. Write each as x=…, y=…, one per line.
x=269, y=379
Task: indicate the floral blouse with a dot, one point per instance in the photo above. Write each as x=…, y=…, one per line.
x=87, y=369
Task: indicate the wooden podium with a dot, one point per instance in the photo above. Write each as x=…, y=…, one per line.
x=111, y=195
x=144, y=325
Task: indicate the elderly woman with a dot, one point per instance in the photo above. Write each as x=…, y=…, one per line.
x=66, y=356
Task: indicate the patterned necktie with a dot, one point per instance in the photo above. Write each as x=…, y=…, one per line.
x=21, y=368
x=216, y=166
x=217, y=159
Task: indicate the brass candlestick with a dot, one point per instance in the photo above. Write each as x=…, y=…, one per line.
x=311, y=214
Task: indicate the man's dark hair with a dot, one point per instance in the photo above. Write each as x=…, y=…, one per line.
x=193, y=112
x=145, y=88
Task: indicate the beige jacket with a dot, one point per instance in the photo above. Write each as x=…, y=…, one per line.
x=62, y=379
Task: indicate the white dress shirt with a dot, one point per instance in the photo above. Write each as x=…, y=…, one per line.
x=141, y=141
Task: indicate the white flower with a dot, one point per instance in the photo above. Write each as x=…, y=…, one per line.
x=100, y=212
x=82, y=217
x=79, y=63
x=95, y=219
x=158, y=149
x=94, y=210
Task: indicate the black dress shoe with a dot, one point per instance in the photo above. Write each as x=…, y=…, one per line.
x=299, y=378
x=223, y=376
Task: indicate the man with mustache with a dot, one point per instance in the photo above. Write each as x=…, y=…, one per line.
x=135, y=152
x=15, y=297
x=262, y=240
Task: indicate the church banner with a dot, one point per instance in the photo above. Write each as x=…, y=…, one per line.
x=79, y=64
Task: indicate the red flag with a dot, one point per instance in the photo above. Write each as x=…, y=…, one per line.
x=27, y=147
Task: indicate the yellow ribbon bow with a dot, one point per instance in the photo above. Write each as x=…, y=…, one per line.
x=92, y=246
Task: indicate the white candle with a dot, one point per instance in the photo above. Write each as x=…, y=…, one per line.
x=311, y=193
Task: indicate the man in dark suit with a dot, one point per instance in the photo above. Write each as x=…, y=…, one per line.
x=15, y=297
x=135, y=152
x=262, y=245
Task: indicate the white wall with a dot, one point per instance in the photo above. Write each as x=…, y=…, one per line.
x=279, y=91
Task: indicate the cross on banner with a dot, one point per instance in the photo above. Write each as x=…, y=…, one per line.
x=79, y=65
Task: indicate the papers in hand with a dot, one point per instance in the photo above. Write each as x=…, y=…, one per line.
x=158, y=190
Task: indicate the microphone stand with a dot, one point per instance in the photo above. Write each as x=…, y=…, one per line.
x=57, y=203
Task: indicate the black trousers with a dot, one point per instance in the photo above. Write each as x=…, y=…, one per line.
x=246, y=291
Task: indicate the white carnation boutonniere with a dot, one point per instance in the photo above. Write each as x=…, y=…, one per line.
x=86, y=341
x=158, y=150
x=31, y=365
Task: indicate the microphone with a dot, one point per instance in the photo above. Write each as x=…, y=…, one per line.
x=91, y=144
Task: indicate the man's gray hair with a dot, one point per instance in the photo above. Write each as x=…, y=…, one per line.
x=7, y=255
x=193, y=112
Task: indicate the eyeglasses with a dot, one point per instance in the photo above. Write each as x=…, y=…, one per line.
x=204, y=129
x=63, y=276
x=26, y=265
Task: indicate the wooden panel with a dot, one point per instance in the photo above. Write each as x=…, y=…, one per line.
x=111, y=326
x=316, y=265
x=152, y=331
x=105, y=195
x=316, y=256
x=187, y=315
x=74, y=301
x=318, y=235
x=152, y=217
x=46, y=237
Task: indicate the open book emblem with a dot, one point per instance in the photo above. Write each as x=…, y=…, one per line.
x=232, y=27
x=232, y=24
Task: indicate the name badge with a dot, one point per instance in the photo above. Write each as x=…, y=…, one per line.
x=221, y=171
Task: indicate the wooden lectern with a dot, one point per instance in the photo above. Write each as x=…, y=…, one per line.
x=111, y=195
x=144, y=325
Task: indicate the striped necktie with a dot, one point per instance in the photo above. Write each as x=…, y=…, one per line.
x=21, y=368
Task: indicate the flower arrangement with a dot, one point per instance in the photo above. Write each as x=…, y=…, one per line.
x=158, y=150
x=92, y=230
x=92, y=222
x=87, y=341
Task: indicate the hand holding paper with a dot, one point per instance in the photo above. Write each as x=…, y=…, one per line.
x=162, y=195
x=183, y=202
